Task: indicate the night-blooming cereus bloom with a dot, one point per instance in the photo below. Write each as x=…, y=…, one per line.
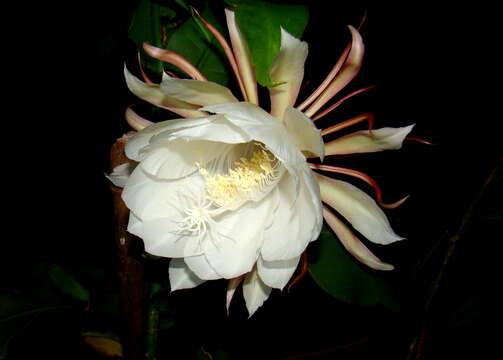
x=226, y=190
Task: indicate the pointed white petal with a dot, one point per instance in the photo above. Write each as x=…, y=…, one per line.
x=303, y=132
x=196, y=92
x=288, y=67
x=243, y=58
x=152, y=94
x=231, y=289
x=276, y=274
x=352, y=244
x=358, y=208
x=181, y=277
x=366, y=141
x=255, y=292
x=120, y=174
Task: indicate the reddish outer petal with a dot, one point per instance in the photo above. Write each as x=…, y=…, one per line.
x=228, y=52
x=349, y=70
x=174, y=59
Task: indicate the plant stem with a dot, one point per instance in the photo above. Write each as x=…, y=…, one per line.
x=152, y=324
x=416, y=344
x=130, y=271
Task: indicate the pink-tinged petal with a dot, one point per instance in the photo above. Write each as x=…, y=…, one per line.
x=181, y=277
x=228, y=52
x=349, y=70
x=303, y=132
x=363, y=117
x=232, y=285
x=196, y=92
x=358, y=208
x=361, y=176
x=341, y=101
x=255, y=292
x=136, y=121
x=352, y=244
x=366, y=141
x=174, y=59
x=243, y=57
x=152, y=94
x=288, y=69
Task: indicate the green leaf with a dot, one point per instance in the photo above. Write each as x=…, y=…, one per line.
x=17, y=312
x=197, y=45
x=336, y=272
x=260, y=24
x=145, y=26
x=67, y=283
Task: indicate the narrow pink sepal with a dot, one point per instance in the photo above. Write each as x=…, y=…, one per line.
x=327, y=80
x=362, y=176
x=341, y=101
x=227, y=50
x=352, y=244
x=175, y=59
x=143, y=74
x=136, y=121
x=231, y=289
x=366, y=116
x=349, y=70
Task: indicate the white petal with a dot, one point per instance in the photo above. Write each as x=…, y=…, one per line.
x=276, y=274
x=152, y=94
x=295, y=224
x=178, y=158
x=211, y=128
x=261, y=126
x=358, y=208
x=240, y=235
x=303, y=132
x=197, y=92
x=288, y=67
x=181, y=277
x=243, y=57
x=255, y=292
x=202, y=268
x=157, y=210
x=368, y=141
x=160, y=239
x=120, y=174
x=352, y=244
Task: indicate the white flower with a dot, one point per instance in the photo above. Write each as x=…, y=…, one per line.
x=226, y=190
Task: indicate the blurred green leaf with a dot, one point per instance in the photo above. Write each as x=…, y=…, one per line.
x=145, y=26
x=17, y=312
x=260, y=24
x=197, y=45
x=336, y=272
x=67, y=283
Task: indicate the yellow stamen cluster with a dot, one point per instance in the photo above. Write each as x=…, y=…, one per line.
x=246, y=176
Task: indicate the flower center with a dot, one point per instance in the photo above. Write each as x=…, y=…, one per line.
x=243, y=180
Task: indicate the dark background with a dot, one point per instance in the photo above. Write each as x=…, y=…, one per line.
x=433, y=66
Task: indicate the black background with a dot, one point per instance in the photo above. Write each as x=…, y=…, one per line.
x=433, y=66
